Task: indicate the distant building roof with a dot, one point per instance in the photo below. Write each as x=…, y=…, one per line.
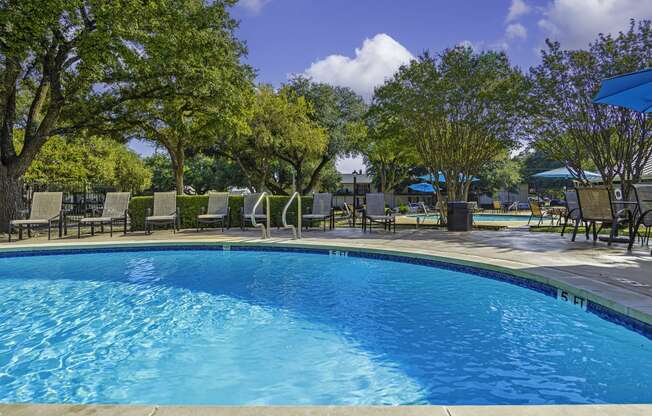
x=647, y=170
x=348, y=178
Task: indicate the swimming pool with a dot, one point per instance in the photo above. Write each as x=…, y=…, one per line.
x=486, y=217
x=208, y=326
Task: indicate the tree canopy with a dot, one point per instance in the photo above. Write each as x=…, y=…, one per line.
x=460, y=108
x=566, y=125
x=70, y=66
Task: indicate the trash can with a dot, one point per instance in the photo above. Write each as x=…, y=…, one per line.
x=460, y=216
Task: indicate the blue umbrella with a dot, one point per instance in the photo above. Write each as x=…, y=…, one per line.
x=431, y=178
x=633, y=91
x=422, y=187
x=564, y=173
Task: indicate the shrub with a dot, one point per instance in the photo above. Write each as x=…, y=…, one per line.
x=192, y=205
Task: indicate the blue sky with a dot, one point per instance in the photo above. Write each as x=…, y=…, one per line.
x=359, y=43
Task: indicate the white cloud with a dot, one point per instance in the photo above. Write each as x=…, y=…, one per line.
x=254, y=6
x=377, y=60
x=468, y=44
x=575, y=23
x=515, y=31
x=517, y=9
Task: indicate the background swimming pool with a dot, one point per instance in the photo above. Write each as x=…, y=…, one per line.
x=213, y=327
x=488, y=217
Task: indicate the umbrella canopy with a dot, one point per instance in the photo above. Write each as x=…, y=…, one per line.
x=564, y=173
x=431, y=178
x=422, y=187
x=633, y=91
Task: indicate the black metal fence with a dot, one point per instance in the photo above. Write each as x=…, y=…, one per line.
x=79, y=198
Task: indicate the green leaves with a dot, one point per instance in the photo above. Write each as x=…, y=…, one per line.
x=458, y=110
x=566, y=125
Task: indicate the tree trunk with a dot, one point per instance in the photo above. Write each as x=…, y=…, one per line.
x=10, y=194
x=178, y=177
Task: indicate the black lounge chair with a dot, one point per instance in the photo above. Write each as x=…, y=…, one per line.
x=375, y=212
x=116, y=210
x=248, y=210
x=322, y=210
x=643, y=217
x=165, y=211
x=45, y=210
x=217, y=211
x=595, y=207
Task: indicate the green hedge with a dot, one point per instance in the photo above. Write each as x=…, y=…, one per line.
x=192, y=205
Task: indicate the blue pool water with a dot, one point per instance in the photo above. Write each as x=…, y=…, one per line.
x=487, y=217
x=243, y=327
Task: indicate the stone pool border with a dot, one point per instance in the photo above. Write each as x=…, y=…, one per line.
x=604, y=308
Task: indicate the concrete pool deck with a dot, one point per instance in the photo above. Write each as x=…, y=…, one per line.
x=608, y=275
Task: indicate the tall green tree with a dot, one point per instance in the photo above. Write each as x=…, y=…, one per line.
x=340, y=112
x=461, y=108
x=92, y=161
x=566, y=125
x=67, y=66
x=211, y=99
x=283, y=145
x=388, y=154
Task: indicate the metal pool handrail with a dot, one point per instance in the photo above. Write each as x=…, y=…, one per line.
x=265, y=230
x=295, y=234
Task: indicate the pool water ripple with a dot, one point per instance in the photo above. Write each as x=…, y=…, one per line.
x=212, y=327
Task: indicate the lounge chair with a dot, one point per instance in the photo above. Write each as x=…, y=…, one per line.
x=322, y=210
x=573, y=212
x=537, y=212
x=248, y=209
x=45, y=210
x=116, y=210
x=217, y=211
x=595, y=207
x=643, y=196
x=347, y=214
x=375, y=212
x=165, y=211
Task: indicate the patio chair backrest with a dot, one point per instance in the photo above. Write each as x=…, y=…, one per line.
x=347, y=209
x=249, y=202
x=165, y=203
x=595, y=203
x=218, y=203
x=535, y=207
x=572, y=205
x=46, y=205
x=322, y=203
x=115, y=204
x=643, y=194
x=497, y=205
x=375, y=204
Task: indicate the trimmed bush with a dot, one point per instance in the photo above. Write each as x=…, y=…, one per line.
x=192, y=205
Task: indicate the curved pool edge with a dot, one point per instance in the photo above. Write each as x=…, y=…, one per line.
x=600, y=304
x=153, y=410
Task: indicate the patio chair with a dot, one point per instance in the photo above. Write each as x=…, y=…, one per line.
x=45, y=210
x=116, y=210
x=217, y=211
x=573, y=212
x=497, y=206
x=643, y=196
x=375, y=212
x=537, y=212
x=248, y=208
x=322, y=210
x=595, y=207
x=347, y=214
x=165, y=211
